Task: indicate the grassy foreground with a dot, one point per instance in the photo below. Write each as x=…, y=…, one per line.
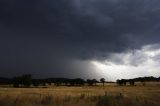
x=82, y=96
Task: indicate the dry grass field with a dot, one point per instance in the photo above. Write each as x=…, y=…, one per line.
x=109, y=95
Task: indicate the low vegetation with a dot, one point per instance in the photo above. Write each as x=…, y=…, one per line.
x=25, y=91
x=109, y=95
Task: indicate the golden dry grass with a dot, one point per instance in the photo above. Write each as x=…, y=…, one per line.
x=109, y=95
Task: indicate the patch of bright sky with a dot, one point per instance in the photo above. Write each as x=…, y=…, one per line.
x=137, y=63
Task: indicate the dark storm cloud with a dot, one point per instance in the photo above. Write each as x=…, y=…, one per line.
x=45, y=34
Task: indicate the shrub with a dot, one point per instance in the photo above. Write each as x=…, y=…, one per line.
x=104, y=100
x=47, y=100
x=67, y=98
x=82, y=96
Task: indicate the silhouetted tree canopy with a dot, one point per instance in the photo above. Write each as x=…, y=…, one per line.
x=140, y=79
x=26, y=81
x=102, y=80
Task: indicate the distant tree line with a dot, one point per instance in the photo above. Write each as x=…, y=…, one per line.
x=23, y=81
x=124, y=82
x=27, y=81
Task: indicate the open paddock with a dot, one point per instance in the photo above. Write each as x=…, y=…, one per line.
x=109, y=95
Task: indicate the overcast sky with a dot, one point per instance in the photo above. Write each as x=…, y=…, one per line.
x=80, y=38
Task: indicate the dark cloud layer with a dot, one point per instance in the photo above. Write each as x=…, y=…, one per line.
x=41, y=36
